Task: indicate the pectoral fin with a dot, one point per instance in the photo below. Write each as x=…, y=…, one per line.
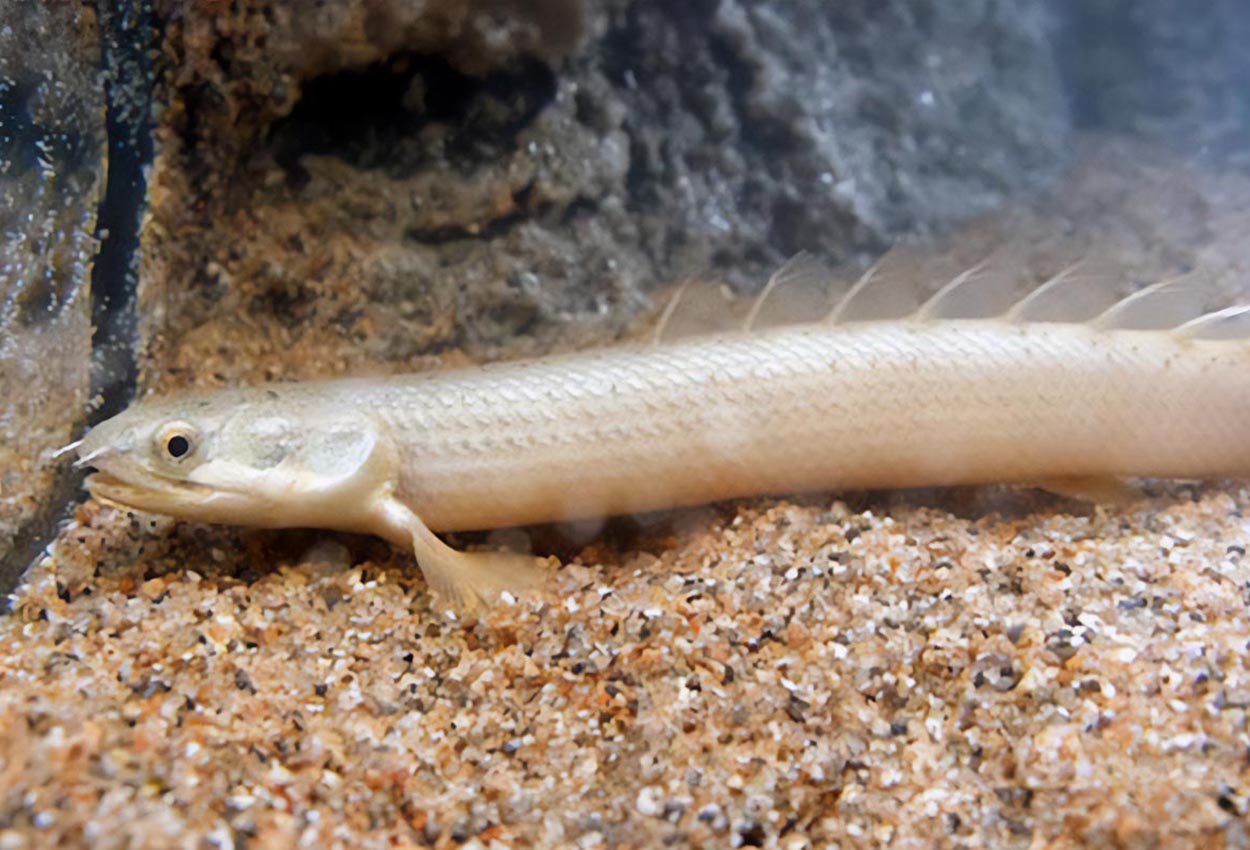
x=467, y=582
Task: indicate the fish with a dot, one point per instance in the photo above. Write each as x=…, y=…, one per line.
x=1069, y=387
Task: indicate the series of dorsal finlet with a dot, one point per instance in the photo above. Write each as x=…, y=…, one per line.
x=804, y=290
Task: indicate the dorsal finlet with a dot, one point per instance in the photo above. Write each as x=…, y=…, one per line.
x=1167, y=304
x=935, y=307
x=887, y=290
x=1027, y=306
x=802, y=288
x=667, y=313
x=796, y=292
x=1074, y=294
x=865, y=280
x=1231, y=323
x=984, y=291
x=697, y=308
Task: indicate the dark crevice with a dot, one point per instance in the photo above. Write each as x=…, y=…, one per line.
x=637, y=183
x=581, y=207
x=456, y=232
x=635, y=60
x=200, y=101
x=638, y=53
x=292, y=303
x=767, y=134
x=410, y=112
x=18, y=133
x=127, y=33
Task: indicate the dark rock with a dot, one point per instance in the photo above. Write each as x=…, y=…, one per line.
x=385, y=179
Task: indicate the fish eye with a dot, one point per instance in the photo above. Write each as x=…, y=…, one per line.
x=176, y=441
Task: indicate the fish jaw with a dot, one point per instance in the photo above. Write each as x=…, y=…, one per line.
x=170, y=498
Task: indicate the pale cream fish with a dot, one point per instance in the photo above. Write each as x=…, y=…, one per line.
x=971, y=387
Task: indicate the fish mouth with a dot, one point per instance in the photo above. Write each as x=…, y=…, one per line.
x=179, y=499
x=153, y=494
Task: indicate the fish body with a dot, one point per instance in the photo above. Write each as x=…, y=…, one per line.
x=806, y=408
x=819, y=405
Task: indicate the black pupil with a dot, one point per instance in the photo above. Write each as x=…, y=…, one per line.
x=178, y=445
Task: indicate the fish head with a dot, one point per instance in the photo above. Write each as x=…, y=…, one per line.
x=254, y=457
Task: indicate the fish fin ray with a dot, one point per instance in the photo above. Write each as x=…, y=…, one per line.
x=1165, y=305
x=802, y=288
x=984, y=291
x=467, y=582
x=889, y=289
x=698, y=308
x=1085, y=292
x=1231, y=323
x=1080, y=292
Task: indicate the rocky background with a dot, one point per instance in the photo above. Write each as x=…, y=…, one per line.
x=388, y=179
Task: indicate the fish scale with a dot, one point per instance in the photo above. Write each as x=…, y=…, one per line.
x=814, y=407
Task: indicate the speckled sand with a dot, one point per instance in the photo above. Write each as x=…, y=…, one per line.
x=774, y=674
x=980, y=668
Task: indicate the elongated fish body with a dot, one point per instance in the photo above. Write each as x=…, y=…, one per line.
x=1148, y=387
x=809, y=408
